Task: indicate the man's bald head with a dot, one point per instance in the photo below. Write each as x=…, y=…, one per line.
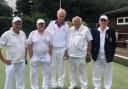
x=77, y=18
x=77, y=21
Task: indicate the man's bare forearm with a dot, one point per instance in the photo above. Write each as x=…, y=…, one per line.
x=30, y=50
x=89, y=47
x=50, y=49
x=3, y=59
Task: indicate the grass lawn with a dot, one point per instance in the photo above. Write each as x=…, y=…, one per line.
x=120, y=76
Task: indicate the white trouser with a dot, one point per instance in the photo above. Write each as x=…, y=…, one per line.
x=16, y=69
x=98, y=68
x=78, y=70
x=57, y=67
x=45, y=66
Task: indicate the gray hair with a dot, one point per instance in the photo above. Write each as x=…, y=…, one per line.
x=76, y=17
x=61, y=11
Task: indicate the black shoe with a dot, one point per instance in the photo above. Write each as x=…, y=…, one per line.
x=60, y=88
x=76, y=88
x=54, y=88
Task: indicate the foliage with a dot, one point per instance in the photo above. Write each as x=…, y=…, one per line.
x=29, y=24
x=4, y=24
x=89, y=10
x=5, y=10
x=23, y=6
x=37, y=15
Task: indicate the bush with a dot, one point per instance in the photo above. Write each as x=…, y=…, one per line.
x=29, y=23
x=36, y=16
x=5, y=23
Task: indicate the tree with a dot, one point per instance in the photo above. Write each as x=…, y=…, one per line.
x=5, y=10
x=23, y=6
x=89, y=10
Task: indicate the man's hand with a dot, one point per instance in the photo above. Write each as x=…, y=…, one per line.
x=8, y=62
x=88, y=57
x=4, y=60
x=26, y=62
x=66, y=55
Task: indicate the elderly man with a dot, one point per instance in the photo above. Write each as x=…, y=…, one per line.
x=78, y=48
x=59, y=30
x=14, y=41
x=103, y=50
x=40, y=47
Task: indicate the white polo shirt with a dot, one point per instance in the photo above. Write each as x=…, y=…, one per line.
x=15, y=45
x=101, y=55
x=40, y=45
x=78, y=41
x=59, y=34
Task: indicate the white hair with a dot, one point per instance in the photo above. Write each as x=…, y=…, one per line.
x=61, y=11
x=77, y=17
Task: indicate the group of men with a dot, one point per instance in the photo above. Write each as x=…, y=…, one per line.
x=48, y=48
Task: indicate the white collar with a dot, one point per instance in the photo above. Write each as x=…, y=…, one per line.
x=99, y=29
x=12, y=32
x=80, y=28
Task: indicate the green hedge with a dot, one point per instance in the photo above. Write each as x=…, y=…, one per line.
x=4, y=24
x=29, y=23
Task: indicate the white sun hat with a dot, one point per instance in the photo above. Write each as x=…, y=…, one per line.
x=40, y=21
x=15, y=19
x=103, y=17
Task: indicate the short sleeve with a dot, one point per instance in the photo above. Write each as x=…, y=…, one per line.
x=67, y=35
x=25, y=38
x=29, y=40
x=51, y=38
x=89, y=35
x=3, y=40
x=49, y=27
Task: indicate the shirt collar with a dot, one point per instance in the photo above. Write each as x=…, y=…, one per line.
x=12, y=32
x=80, y=28
x=37, y=32
x=99, y=29
x=59, y=24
